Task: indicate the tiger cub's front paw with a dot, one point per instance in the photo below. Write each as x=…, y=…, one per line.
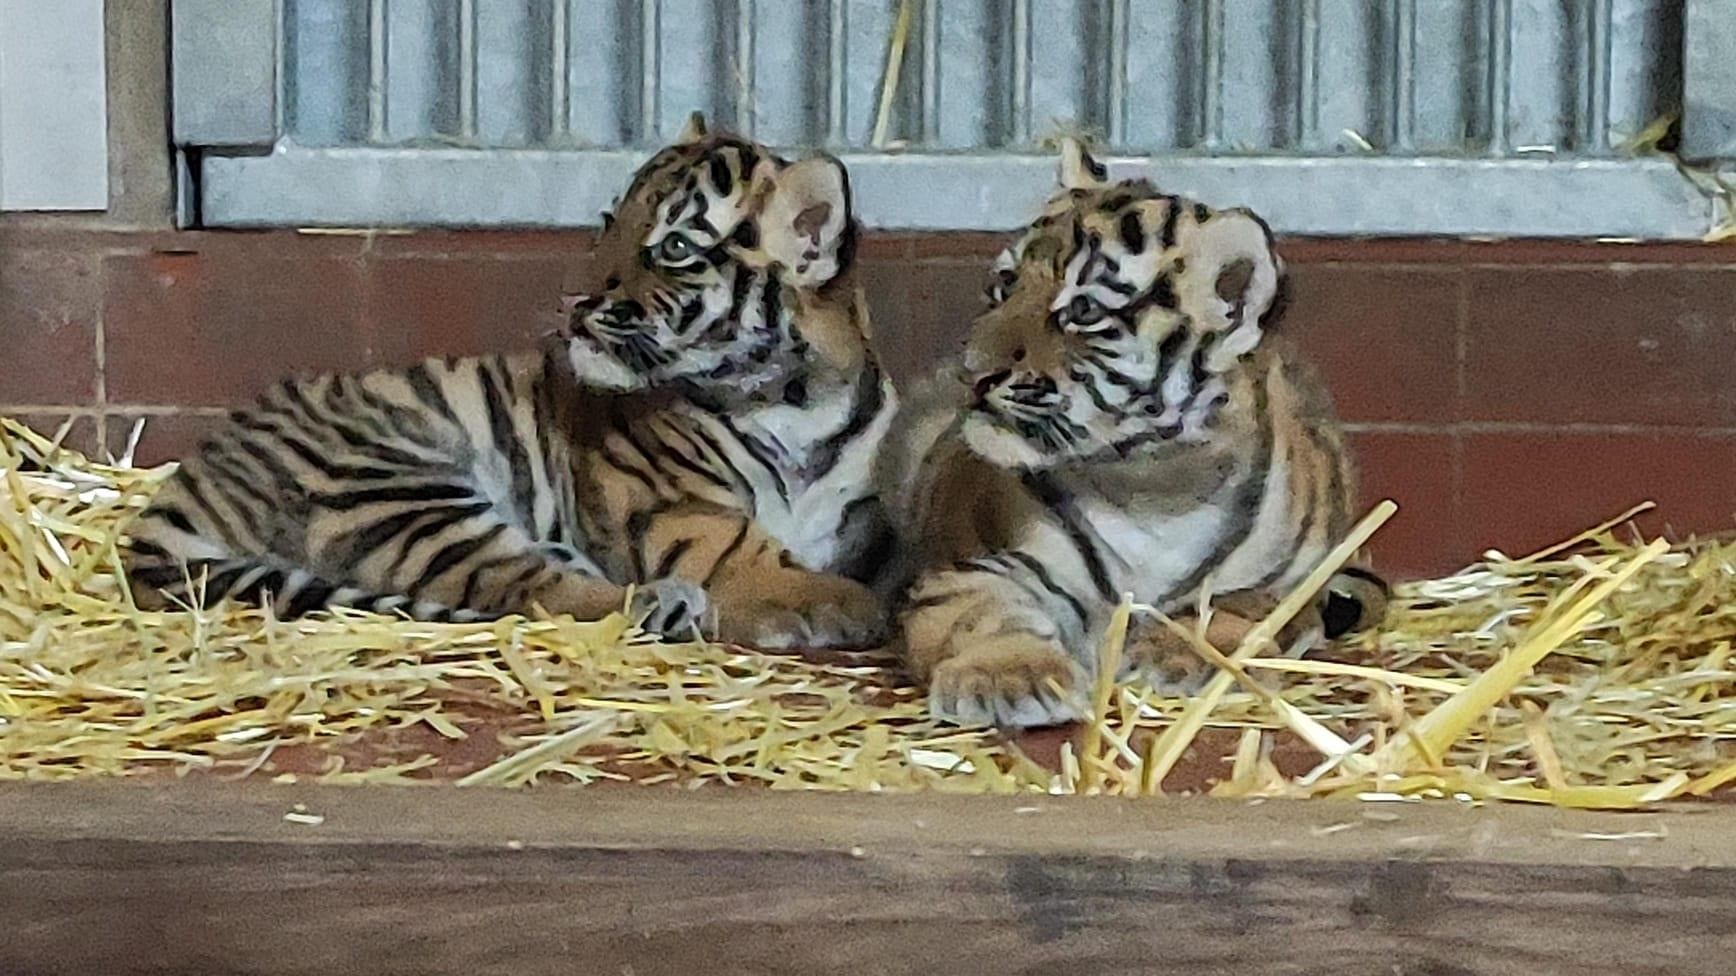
x=1165, y=660
x=1011, y=682
x=672, y=608
x=817, y=613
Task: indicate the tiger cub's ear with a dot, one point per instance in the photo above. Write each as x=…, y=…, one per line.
x=805, y=221
x=1079, y=171
x=1231, y=279
x=693, y=131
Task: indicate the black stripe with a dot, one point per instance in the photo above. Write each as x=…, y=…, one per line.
x=217, y=584
x=174, y=517
x=428, y=391
x=515, y=587
x=757, y=451
x=1197, y=369
x=342, y=400
x=671, y=556
x=690, y=313
x=1244, y=508
x=246, y=501
x=453, y=554
x=674, y=453
x=287, y=484
x=237, y=478
x=1055, y=500
x=312, y=597
x=613, y=457
x=467, y=599
x=364, y=542
x=393, y=417
x=771, y=303
x=1048, y=582
x=1092, y=244
x=728, y=551
x=196, y=493
x=637, y=523
x=1171, y=210
x=316, y=458
x=869, y=400
x=508, y=443
x=438, y=491
x=1119, y=287
x=1089, y=384
x=435, y=522
x=1167, y=352
x=722, y=457
x=718, y=169
x=148, y=550
x=271, y=581
x=738, y=289
x=1357, y=572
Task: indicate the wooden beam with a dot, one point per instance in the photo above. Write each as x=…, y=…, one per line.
x=169, y=878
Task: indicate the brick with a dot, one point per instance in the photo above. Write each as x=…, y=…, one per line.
x=945, y=297
x=567, y=243
x=983, y=247
x=886, y=284
x=1386, y=340
x=165, y=437
x=1384, y=251
x=255, y=245
x=1613, y=345
x=1524, y=491
x=883, y=245
x=85, y=435
x=215, y=327
x=419, y=307
x=49, y=308
x=1419, y=471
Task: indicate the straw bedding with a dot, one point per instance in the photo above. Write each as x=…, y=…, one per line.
x=1595, y=675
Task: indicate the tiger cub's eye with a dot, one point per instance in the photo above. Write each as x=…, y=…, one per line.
x=675, y=249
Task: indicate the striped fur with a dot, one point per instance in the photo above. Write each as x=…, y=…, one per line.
x=703, y=428
x=1126, y=424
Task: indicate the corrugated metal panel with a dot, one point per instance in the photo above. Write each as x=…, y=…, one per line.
x=1430, y=80
x=1453, y=77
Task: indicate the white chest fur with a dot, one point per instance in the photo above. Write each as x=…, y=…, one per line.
x=803, y=510
x=1150, y=554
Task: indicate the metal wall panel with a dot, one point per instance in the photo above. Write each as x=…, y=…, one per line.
x=53, y=106
x=1709, y=117
x=1288, y=81
x=1443, y=77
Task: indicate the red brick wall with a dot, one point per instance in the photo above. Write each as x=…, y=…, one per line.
x=1505, y=395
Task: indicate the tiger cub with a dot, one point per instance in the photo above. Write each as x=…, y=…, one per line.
x=703, y=427
x=1127, y=424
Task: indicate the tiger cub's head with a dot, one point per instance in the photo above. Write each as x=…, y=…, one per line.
x=1114, y=320
x=722, y=266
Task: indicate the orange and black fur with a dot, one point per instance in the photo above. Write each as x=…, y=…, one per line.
x=704, y=429
x=1126, y=424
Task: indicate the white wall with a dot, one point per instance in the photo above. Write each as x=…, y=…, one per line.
x=53, y=106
